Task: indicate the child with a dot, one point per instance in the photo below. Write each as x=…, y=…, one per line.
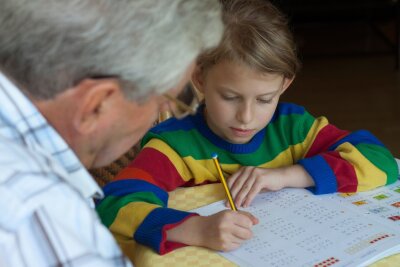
x=261, y=143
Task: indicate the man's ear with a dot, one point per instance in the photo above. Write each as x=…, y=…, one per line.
x=92, y=96
x=198, y=79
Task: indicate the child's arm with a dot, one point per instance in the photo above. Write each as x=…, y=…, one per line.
x=135, y=206
x=135, y=202
x=340, y=161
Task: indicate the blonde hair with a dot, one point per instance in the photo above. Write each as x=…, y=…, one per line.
x=256, y=34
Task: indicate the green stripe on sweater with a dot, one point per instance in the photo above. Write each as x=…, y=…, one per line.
x=382, y=159
x=109, y=207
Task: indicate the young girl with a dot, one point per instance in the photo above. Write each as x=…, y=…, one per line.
x=261, y=143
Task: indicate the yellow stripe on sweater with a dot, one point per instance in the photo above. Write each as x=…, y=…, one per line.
x=317, y=126
x=187, y=167
x=368, y=176
x=296, y=152
x=130, y=217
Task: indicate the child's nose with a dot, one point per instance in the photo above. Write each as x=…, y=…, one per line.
x=244, y=114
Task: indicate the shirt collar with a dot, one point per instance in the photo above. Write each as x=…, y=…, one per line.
x=23, y=123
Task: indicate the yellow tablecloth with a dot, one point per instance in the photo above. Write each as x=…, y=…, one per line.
x=187, y=199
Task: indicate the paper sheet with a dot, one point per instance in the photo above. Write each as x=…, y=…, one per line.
x=298, y=228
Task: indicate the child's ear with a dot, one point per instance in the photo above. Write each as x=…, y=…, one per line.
x=286, y=83
x=198, y=79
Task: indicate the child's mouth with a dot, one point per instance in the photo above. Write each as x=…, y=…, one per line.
x=242, y=132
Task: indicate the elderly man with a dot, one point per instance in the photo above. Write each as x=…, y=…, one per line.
x=80, y=83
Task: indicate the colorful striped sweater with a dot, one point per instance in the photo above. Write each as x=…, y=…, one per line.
x=177, y=153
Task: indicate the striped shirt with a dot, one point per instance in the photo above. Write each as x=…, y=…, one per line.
x=178, y=153
x=47, y=216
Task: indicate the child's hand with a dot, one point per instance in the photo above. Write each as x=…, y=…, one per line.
x=223, y=231
x=246, y=183
x=227, y=230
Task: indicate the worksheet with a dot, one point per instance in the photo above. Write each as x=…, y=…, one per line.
x=298, y=228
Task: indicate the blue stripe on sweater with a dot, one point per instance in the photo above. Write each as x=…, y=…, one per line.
x=173, y=124
x=322, y=174
x=284, y=109
x=129, y=186
x=149, y=232
x=358, y=137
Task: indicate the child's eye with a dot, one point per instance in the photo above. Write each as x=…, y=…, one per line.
x=229, y=98
x=264, y=101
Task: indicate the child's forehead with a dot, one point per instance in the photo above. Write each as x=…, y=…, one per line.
x=250, y=83
x=239, y=70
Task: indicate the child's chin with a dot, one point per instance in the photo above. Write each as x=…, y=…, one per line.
x=240, y=140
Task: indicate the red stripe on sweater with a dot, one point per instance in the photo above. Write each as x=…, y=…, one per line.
x=326, y=137
x=168, y=246
x=154, y=167
x=345, y=174
x=134, y=173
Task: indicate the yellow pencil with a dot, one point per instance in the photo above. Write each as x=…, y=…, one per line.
x=222, y=178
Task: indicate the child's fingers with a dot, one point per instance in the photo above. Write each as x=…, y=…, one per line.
x=226, y=203
x=231, y=180
x=231, y=245
x=245, y=189
x=239, y=179
x=256, y=188
x=253, y=218
x=242, y=233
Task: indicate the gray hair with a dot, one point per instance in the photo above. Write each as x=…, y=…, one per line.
x=47, y=46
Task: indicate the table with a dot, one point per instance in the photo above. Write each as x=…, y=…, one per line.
x=187, y=199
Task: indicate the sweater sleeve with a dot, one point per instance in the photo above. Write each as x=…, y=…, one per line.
x=135, y=202
x=340, y=161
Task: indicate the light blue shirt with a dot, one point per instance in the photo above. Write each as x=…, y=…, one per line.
x=46, y=214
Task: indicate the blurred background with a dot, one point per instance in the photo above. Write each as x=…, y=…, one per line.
x=350, y=73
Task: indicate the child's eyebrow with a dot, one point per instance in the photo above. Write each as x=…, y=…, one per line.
x=273, y=93
x=270, y=93
x=229, y=90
